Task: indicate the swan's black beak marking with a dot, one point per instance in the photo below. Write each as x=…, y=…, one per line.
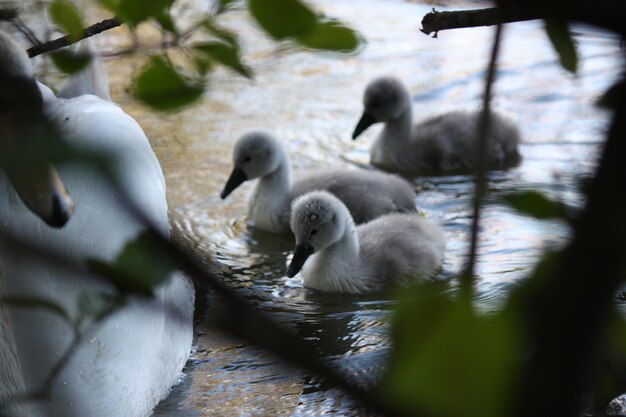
x=236, y=178
x=302, y=253
x=62, y=210
x=365, y=122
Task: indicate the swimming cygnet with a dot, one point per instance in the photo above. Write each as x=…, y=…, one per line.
x=444, y=144
x=393, y=249
x=367, y=194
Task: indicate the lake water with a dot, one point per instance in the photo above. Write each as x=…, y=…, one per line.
x=311, y=102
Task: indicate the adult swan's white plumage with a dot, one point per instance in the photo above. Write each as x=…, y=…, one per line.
x=129, y=363
x=390, y=250
x=444, y=144
x=367, y=194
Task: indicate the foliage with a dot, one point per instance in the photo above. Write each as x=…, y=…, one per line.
x=142, y=265
x=164, y=87
x=535, y=204
x=67, y=16
x=161, y=86
x=561, y=38
x=446, y=360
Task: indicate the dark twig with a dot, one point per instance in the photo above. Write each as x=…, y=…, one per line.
x=64, y=41
x=481, y=162
x=26, y=31
x=436, y=21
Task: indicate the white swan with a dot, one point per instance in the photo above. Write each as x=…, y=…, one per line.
x=390, y=250
x=367, y=194
x=444, y=144
x=130, y=362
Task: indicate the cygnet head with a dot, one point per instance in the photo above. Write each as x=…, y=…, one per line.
x=385, y=98
x=318, y=219
x=256, y=155
x=22, y=123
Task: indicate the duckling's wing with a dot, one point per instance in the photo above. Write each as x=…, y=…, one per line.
x=366, y=194
x=399, y=248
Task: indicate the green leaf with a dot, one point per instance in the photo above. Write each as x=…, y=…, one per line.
x=94, y=304
x=225, y=54
x=224, y=5
x=68, y=18
x=283, y=18
x=220, y=33
x=561, y=38
x=330, y=35
x=161, y=87
x=610, y=366
x=137, y=11
x=142, y=265
x=536, y=205
x=70, y=62
x=166, y=22
x=36, y=302
x=449, y=361
x=613, y=96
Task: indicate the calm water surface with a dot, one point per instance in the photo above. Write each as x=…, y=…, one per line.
x=311, y=101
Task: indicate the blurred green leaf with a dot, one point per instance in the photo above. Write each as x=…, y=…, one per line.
x=225, y=54
x=610, y=363
x=220, y=33
x=613, y=96
x=35, y=302
x=68, y=18
x=70, y=62
x=535, y=204
x=166, y=22
x=224, y=5
x=161, y=87
x=137, y=11
x=330, y=35
x=202, y=64
x=142, y=265
x=561, y=38
x=93, y=304
x=283, y=18
x=449, y=361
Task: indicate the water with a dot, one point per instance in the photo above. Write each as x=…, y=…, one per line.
x=311, y=102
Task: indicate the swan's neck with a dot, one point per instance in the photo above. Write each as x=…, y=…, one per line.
x=398, y=129
x=337, y=267
x=268, y=207
x=390, y=146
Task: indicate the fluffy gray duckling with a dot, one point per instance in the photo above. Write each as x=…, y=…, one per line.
x=337, y=256
x=439, y=145
x=367, y=194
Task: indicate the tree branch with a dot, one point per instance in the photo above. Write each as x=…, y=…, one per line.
x=436, y=21
x=481, y=162
x=64, y=41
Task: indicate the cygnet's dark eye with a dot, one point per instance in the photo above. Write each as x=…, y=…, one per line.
x=247, y=159
x=314, y=231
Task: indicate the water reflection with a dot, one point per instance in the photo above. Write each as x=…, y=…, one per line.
x=311, y=102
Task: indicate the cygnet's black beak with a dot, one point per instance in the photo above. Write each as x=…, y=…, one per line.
x=365, y=122
x=236, y=178
x=302, y=253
